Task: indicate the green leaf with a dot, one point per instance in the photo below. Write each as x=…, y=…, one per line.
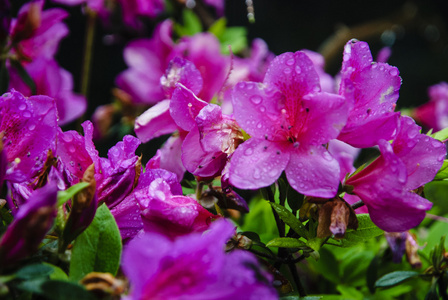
x=98, y=248
x=24, y=75
x=218, y=28
x=443, y=172
x=58, y=273
x=294, y=198
x=191, y=24
x=64, y=196
x=56, y=289
x=366, y=230
x=350, y=292
x=34, y=271
x=236, y=37
x=260, y=219
x=441, y=135
x=285, y=242
x=395, y=278
x=290, y=220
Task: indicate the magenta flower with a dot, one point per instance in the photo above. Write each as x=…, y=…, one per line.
x=37, y=32
x=434, y=114
x=385, y=185
x=127, y=213
x=194, y=267
x=171, y=214
x=372, y=89
x=29, y=126
x=31, y=222
x=207, y=146
x=119, y=172
x=168, y=156
x=289, y=120
x=54, y=81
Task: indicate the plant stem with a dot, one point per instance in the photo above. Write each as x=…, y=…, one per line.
x=357, y=204
x=295, y=276
x=88, y=52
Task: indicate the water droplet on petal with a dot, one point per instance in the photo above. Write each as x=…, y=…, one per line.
x=248, y=151
x=257, y=174
x=298, y=70
x=259, y=125
x=256, y=99
x=26, y=114
x=22, y=106
x=287, y=71
x=262, y=109
x=290, y=62
x=393, y=72
x=31, y=127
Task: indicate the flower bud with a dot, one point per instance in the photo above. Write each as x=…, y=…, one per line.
x=31, y=223
x=27, y=22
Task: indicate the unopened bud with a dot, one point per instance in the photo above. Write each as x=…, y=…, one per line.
x=335, y=217
x=27, y=22
x=411, y=251
x=103, y=284
x=83, y=199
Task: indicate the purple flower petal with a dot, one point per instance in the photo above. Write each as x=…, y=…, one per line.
x=257, y=163
x=312, y=171
x=154, y=122
x=184, y=107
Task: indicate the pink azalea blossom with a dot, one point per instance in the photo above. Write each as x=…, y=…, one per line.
x=37, y=32
x=194, y=266
x=434, y=114
x=54, y=81
x=29, y=126
x=288, y=119
x=31, y=222
x=165, y=212
x=385, y=185
x=372, y=90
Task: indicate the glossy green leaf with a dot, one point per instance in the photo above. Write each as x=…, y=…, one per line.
x=441, y=135
x=290, y=220
x=64, y=196
x=235, y=37
x=395, y=278
x=285, y=242
x=294, y=198
x=58, y=273
x=34, y=271
x=443, y=172
x=366, y=230
x=98, y=248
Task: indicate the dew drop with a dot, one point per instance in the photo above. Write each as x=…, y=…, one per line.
x=248, y=151
x=259, y=125
x=287, y=71
x=242, y=85
x=26, y=114
x=262, y=109
x=22, y=106
x=290, y=62
x=393, y=72
x=256, y=99
x=257, y=174
x=31, y=127
x=298, y=69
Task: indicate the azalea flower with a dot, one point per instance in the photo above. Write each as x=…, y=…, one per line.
x=288, y=119
x=194, y=267
x=386, y=185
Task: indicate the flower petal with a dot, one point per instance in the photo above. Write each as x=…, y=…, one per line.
x=312, y=171
x=257, y=163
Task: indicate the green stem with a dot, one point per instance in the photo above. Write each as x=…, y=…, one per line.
x=88, y=52
x=295, y=276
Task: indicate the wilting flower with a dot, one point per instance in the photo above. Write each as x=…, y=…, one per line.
x=194, y=267
x=289, y=120
x=385, y=185
x=31, y=222
x=372, y=90
x=434, y=114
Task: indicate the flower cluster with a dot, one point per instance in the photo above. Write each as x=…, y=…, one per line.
x=279, y=124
